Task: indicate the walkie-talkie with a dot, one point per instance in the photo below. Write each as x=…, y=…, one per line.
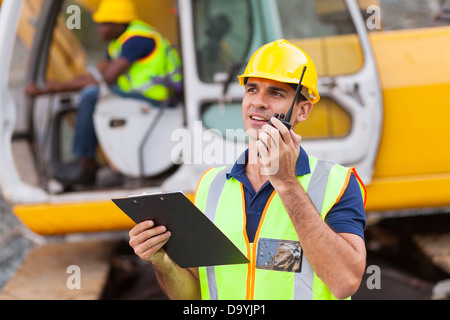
x=286, y=120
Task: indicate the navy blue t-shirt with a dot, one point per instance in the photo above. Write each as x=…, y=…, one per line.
x=136, y=48
x=348, y=215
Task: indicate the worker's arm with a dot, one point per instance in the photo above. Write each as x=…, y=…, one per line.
x=75, y=84
x=338, y=259
x=109, y=71
x=147, y=240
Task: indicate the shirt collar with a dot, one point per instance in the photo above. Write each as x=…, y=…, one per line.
x=301, y=167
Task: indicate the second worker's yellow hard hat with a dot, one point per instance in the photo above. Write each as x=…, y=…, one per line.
x=282, y=61
x=115, y=11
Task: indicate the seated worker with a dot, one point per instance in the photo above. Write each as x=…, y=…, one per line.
x=299, y=220
x=139, y=63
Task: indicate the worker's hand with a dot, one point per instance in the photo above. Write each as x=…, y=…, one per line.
x=54, y=86
x=33, y=90
x=147, y=239
x=279, y=149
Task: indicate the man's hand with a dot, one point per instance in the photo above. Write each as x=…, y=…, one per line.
x=279, y=149
x=147, y=240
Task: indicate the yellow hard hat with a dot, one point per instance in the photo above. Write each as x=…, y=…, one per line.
x=115, y=11
x=282, y=61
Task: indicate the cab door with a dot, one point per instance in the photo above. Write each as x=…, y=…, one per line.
x=345, y=126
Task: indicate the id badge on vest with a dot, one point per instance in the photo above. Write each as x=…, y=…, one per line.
x=279, y=255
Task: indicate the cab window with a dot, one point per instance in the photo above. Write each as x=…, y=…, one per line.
x=412, y=14
x=325, y=30
x=73, y=44
x=223, y=32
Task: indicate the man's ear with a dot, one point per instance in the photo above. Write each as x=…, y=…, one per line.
x=305, y=108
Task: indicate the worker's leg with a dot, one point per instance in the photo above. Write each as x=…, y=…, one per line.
x=83, y=170
x=85, y=143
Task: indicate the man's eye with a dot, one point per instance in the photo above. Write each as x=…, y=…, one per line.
x=276, y=94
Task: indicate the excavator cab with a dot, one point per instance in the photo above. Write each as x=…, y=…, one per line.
x=70, y=45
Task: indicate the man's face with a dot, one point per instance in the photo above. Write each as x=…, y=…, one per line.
x=109, y=31
x=262, y=99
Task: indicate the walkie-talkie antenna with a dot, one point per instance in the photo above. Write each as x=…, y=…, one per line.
x=297, y=92
x=286, y=119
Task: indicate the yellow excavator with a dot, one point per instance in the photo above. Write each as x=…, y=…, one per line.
x=384, y=81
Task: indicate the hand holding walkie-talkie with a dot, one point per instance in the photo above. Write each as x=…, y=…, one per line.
x=286, y=119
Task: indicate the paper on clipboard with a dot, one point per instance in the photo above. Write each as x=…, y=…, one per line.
x=195, y=241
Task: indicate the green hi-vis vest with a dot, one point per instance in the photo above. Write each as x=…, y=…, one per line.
x=278, y=269
x=154, y=75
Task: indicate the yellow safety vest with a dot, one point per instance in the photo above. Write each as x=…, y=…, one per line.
x=278, y=268
x=154, y=75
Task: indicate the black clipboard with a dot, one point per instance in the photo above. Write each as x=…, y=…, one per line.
x=195, y=241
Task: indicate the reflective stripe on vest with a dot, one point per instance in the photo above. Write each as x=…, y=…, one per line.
x=306, y=285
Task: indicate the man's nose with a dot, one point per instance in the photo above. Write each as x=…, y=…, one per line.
x=260, y=102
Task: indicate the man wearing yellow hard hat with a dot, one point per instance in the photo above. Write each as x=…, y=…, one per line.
x=301, y=225
x=140, y=63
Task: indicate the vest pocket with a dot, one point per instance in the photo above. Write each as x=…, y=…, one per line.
x=279, y=255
